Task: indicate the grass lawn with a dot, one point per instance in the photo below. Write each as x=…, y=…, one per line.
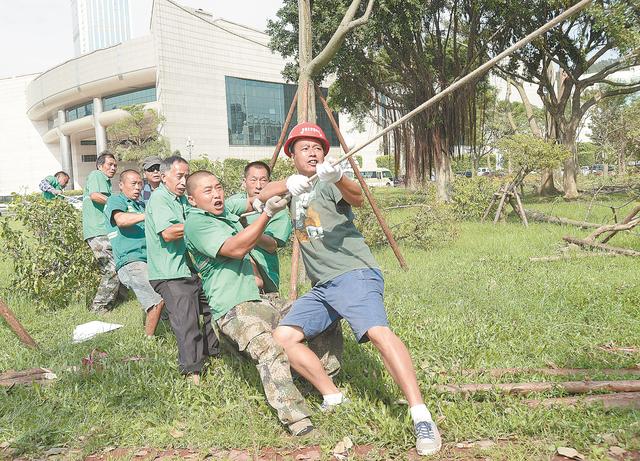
x=476, y=302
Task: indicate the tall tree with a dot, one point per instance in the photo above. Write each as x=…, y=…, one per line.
x=138, y=135
x=561, y=64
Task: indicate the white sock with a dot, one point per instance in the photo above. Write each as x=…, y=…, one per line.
x=333, y=399
x=420, y=413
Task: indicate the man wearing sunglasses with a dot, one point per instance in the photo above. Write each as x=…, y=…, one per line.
x=152, y=179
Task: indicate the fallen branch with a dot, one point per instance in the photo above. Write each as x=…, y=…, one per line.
x=618, y=400
x=626, y=220
x=568, y=257
x=572, y=387
x=499, y=372
x=615, y=228
x=601, y=246
x=30, y=376
x=16, y=326
x=541, y=217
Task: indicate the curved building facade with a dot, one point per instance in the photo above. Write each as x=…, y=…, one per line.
x=217, y=84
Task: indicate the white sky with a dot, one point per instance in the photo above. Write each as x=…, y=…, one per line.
x=37, y=34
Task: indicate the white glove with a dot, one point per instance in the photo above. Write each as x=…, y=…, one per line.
x=257, y=205
x=275, y=204
x=298, y=184
x=328, y=173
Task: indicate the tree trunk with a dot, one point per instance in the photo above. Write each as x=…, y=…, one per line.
x=442, y=162
x=547, y=185
x=569, y=178
x=306, y=91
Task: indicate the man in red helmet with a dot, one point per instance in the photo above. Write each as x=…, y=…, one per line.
x=347, y=282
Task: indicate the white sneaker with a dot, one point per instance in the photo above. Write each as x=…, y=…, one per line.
x=327, y=407
x=428, y=440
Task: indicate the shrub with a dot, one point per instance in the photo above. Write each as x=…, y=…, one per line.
x=471, y=196
x=385, y=161
x=51, y=263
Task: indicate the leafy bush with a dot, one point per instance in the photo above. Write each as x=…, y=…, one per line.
x=51, y=263
x=471, y=196
x=385, y=161
x=412, y=221
x=532, y=153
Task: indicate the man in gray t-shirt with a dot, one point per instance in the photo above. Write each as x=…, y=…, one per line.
x=347, y=283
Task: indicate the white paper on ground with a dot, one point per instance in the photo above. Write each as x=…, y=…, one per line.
x=90, y=329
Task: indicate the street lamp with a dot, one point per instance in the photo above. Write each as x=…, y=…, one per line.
x=189, y=146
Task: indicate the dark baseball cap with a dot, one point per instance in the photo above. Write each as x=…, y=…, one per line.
x=148, y=162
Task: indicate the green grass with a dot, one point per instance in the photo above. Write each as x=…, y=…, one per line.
x=477, y=302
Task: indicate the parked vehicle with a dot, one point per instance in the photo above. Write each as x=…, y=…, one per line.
x=484, y=171
x=378, y=177
x=466, y=174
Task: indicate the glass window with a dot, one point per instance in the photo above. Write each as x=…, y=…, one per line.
x=386, y=174
x=89, y=158
x=130, y=98
x=79, y=111
x=368, y=174
x=256, y=111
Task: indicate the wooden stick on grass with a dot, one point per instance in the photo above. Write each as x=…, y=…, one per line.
x=16, y=326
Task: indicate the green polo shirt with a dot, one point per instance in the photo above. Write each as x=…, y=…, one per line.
x=94, y=222
x=55, y=184
x=165, y=260
x=227, y=282
x=128, y=243
x=279, y=228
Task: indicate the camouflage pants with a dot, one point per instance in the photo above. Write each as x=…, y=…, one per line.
x=109, y=283
x=328, y=345
x=249, y=326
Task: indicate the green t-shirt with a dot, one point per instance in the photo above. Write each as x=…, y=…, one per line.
x=329, y=241
x=55, y=184
x=128, y=243
x=94, y=222
x=227, y=282
x=280, y=229
x=165, y=260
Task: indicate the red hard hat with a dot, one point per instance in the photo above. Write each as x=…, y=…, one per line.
x=306, y=130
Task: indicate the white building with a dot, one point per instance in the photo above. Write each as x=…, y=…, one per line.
x=99, y=24
x=217, y=83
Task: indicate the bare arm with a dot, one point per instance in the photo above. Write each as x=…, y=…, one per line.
x=123, y=219
x=97, y=197
x=351, y=192
x=239, y=245
x=267, y=243
x=174, y=232
x=273, y=188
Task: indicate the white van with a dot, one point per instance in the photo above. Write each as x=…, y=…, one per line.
x=379, y=177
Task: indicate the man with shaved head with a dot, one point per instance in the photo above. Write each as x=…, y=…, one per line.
x=225, y=255
x=125, y=221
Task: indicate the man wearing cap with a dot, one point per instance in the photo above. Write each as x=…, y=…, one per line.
x=347, y=282
x=152, y=179
x=170, y=270
x=94, y=229
x=52, y=186
x=125, y=218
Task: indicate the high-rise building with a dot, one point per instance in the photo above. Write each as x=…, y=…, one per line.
x=99, y=24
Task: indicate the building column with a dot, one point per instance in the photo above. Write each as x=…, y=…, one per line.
x=66, y=156
x=101, y=132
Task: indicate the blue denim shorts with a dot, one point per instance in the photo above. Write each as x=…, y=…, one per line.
x=356, y=296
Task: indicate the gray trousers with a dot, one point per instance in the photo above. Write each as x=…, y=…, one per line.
x=185, y=302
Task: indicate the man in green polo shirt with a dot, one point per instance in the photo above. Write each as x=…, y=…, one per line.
x=170, y=273
x=278, y=230
x=125, y=218
x=224, y=254
x=94, y=229
x=52, y=186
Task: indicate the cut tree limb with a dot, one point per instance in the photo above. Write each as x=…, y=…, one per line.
x=16, y=326
x=499, y=372
x=617, y=400
x=615, y=228
x=572, y=387
x=541, y=217
x=601, y=246
x=569, y=257
x=30, y=376
x=626, y=220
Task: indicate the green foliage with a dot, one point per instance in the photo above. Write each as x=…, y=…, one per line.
x=52, y=265
x=230, y=171
x=587, y=153
x=532, y=153
x=471, y=196
x=136, y=137
x=385, y=161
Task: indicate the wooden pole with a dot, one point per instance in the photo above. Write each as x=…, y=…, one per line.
x=601, y=246
x=541, y=217
x=363, y=184
x=16, y=326
x=283, y=133
x=500, y=372
x=572, y=387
